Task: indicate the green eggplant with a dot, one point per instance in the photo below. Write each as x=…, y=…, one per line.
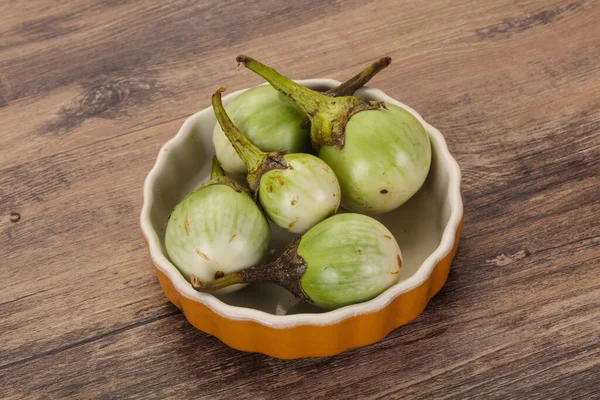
x=217, y=229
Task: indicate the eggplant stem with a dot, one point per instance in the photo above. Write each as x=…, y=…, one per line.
x=251, y=155
x=307, y=100
x=216, y=171
x=257, y=273
x=213, y=286
x=286, y=271
x=356, y=82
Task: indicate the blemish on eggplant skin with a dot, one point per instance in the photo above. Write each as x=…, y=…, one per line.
x=219, y=274
x=383, y=191
x=186, y=225
x=387, y=237
x=14, y=217
x=201, y=254
x=399, y=267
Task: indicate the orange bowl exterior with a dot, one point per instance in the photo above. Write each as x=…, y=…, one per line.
x=306, y=340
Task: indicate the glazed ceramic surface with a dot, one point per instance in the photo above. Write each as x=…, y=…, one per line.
x=268, y=319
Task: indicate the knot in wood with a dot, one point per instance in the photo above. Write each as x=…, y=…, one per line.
x=103, y=97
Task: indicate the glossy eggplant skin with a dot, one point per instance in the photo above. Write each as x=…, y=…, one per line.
x=298, y=198
x=384, y=161
x=350, y=258
x=216, y=230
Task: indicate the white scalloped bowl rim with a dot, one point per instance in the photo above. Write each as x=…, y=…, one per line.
x=330, y=317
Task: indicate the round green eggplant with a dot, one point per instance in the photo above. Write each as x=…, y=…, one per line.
x=217, y=229
x=384, y=161
x=301, y=196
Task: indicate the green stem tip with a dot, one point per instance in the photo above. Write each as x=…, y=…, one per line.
x=359, y=80
x=217, y=284
x=309, y=101
x=251, y=155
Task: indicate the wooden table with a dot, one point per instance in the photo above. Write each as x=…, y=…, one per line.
x=89, y=91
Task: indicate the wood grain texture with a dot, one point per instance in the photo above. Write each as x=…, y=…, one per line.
x=90, y=90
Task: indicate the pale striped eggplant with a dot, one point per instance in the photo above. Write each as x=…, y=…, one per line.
x=217, y=229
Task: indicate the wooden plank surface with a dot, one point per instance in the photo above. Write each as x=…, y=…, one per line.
x=89, y=91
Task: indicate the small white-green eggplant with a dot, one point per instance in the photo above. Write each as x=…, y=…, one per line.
x=380, y=152
x=296, y=191
x=273, y=122
x=217, y=229
x=346, y=259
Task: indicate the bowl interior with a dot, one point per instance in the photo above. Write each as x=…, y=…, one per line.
x=417, y=225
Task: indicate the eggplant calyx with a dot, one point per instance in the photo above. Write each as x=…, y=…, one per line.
x=329, y=127
x=273, y=160
x=286, y=271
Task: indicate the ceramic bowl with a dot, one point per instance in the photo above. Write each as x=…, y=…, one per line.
x=268, y=319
